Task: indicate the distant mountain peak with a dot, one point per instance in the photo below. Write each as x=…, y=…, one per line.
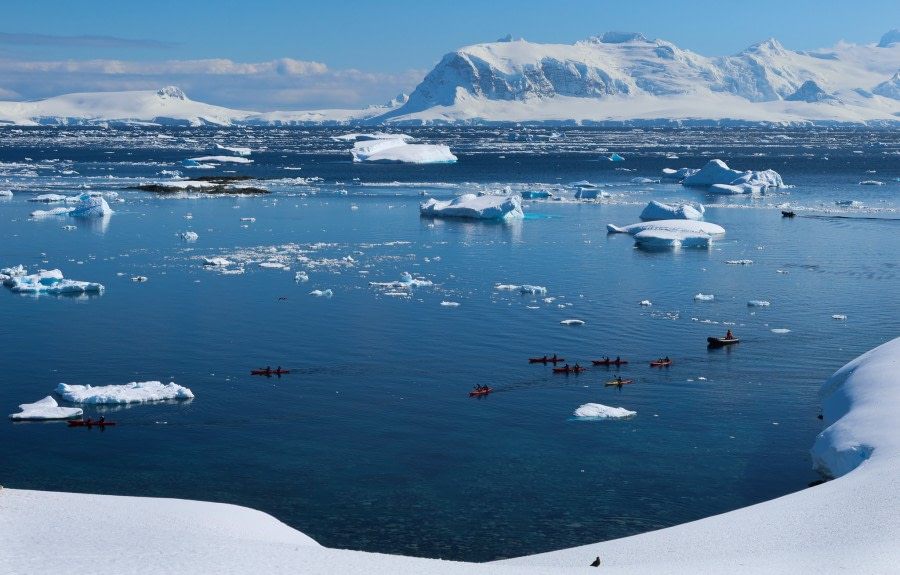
x=809, y=92
x=892, y=37
x=621, y=37
x=171, y=93
x=770, y=47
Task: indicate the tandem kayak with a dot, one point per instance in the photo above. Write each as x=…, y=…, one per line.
x=569, y=369
x=661, y=363
x=481, y=391
x=609, y=361
x=269, y=371
x=81, y=422
x=546, y=359
x=623, y=382
x=721, y=341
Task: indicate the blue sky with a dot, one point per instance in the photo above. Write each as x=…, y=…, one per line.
x=281, y=54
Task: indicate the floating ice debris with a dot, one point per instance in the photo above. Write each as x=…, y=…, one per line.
x=6, y=193
x=530, y=289
x=871, y=183
x=704, y=297
x=506, y=287
x=91, y=205
x=70, y=227
x=536, y=195
x=139, y=279
x=397, y=151
x=134, y=392
x=189, y=236
x=739, y=262
x=218, y=160
x=406, y=281
x=643, y=181
x=235, y=151
x=48, y=198
x=51, y=213
x=301, y=277
x=848, y=203
x=6, y=273
x=757, y=303
x=681, y=226
x=781, y=330
x=616, y=158
x=50, y=282
x=839, y=316
x=46, y=408
x=600, y=411
x=450, y=303
x=670, y=239
x=322, y=293
x=248, y=219
x=273, y=265
x=646, y=303
x=216, y=262
x=485, y=207
x=591, y=193
x=717, y=176
x=572, y=322
x=670, y=174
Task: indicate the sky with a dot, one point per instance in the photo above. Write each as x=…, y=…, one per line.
x=303, y=55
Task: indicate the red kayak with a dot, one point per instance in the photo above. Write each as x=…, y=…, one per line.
x=481, y=391
x=569, y=369
x=81, y=422
x=623, y=382
x=269, y=371
x=661, y=363
x=545, y=359
x=609, y=361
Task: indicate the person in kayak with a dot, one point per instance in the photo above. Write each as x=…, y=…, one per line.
x=89, y=420
x=554, y=357
x=728, y=335
x=618, y=359
x=102, y=419
x=577, y=367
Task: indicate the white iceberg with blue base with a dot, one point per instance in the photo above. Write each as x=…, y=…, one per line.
x=46, y=408
x=134, y=392
x=480, y=207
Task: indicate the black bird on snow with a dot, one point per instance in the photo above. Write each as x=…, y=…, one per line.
x=596, y=562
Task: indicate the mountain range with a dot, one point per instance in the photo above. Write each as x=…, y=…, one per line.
x=613, y=79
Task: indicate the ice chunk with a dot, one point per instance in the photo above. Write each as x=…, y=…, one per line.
x=189, y=236
x=397, y=150
x=484, y=207
x=216, y=262
x=6, y=193
x=717, y=172
x=48, y=198
x=134, y=392
x=683, y=226
x=646, y=303
x=781, y=330
x=659, y=211
x=50, y=282
x=758, y=303
x=217, y=159
x=704, y=297
x=46, y=408
x=591, y=193
x=235, y=151
x=530, y=289
x=322, y=293
x=679, y=175
x=406, y=281
x=450, y=303
x=839, y=316
x=616, y=158
x=572, y=322
x=600, y=411
x=670, y=239
x=91, y=205
x=739, y=262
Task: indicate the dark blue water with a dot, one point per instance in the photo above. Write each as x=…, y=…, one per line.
x=372, y=441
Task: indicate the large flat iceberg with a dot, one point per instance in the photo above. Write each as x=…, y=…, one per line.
x=482, y=207
x=718, y=177
x=398, y=151
x=134, y=392
x=600, y=411
x=46, y=408
x=671, y=233
x=50, y=282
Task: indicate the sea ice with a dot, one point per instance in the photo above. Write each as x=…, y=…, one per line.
x=217, y=160
x=216, y=262
x=322, y=293
x=616, y=158
x=660, y=211
x=572, y=322
x=48, y=198
x=6, y=193
x=839, y=316
x=398, y=151
x=134, y=392
x=704, y=297
x=646, y=303
x=46, y=408
x=600, y=411
x=758, y=303
x=530, y=289
x=406, y=281
x=189, y=236
x=483, y=207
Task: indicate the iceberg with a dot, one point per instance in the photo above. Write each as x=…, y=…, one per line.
x=6, y=193
x=48, y=198
x=397, y=151
x=482, y=207
x=616, y=158
x=189, y=236
x=679, y=175
x=134, y=392
x=50, y=282
x=600, y=411
x=46, y=408
x=718, y=177
x=216, y=262
x=406, y=281
x=704, y=297
x=660, y=211
x=671, y=233
x=91, y=205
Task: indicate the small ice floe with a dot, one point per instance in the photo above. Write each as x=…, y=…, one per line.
x=235, y=151
x=70, y=227
x=6, y=193
x=739, y=262
x=871, y=183
x=450, y=303
x=46, y=408
x=506, y=287
x=646, y=303
x=704, y=297
x=535, y=290
x=301, y=277
x=671, y=233
x=388, y=148
x=134, y=392
x=600, y=411
x=50, y=282
x=473, y=206
x=195, y=162
x=643, y=181
x=139, y=279
x=189, y=236
x=48, y=198
x=660, y=211
x=248, y=219
x=216, y=262
x=839, y=316
x=272, y=265
x=322, y=293
x=780, y=330
x=848, y=203
x=615, y=158
x=757, y=303
x=15, y=271
x=572, y=322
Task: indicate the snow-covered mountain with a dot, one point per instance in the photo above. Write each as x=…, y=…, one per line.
x=615, y=78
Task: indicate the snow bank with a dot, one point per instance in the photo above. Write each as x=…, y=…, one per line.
x=46, y=408
x=397, y=150
x=50, y=282
x=717, y=176
x=483, y=207
x=600, y=411
x=134, y=392
x=660, y=211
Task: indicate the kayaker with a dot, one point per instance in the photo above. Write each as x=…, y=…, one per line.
x=554, y=357
x=279, y=369
x=619, y=379
x=89, y=420
x=728, y=335
x=577, y=367
x=618, y=360
x=667, y=360
x=268, y=369
x=102, y=418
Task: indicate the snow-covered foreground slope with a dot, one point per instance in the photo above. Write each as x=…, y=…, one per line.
x=847, y=525
x=611, y=79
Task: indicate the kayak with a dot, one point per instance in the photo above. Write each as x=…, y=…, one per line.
x=623, y=382
x=81, y=422
x=545, y=359
x=721, y=341
x=481, y=391
x=609, y=361
x=659, y=363
x=569, y=369
x=269, y=371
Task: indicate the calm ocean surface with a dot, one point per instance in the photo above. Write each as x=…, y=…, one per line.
x=372, y=442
